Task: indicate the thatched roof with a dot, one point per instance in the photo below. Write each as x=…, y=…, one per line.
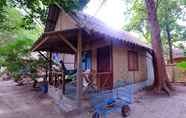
x=89, y=24
x=92, y=24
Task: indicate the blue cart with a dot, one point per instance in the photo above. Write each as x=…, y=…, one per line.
x=115, y=100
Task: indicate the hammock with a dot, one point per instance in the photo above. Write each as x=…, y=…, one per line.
x=56, y=57
x=67, y=72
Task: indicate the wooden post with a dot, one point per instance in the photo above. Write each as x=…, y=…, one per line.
x=173, y=74
x=46, y=66
x=46, y=74
x=78, y=77
x=50, y=67
x=62, y=81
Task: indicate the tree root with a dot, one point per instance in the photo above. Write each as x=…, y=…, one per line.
x=165, y=87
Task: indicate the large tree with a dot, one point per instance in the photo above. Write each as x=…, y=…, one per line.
x=161, y=78
x=168, y=14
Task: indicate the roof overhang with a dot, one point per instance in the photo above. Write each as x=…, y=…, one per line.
x=53, y=41
x=65, y=41
x=57, y=41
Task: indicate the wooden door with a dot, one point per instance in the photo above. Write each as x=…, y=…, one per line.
x=104, y=68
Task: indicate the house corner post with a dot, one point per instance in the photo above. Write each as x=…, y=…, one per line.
x=78, y=77
x=50, y=67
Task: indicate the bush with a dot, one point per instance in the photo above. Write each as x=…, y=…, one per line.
x=16, y=57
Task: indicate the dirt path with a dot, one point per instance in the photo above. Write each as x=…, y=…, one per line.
x=162, y=106
x=23, y=102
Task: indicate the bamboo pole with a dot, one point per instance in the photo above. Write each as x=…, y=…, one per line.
x=78, y=77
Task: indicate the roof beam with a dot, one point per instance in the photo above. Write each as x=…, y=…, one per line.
x=67, y=42
x=37, y=46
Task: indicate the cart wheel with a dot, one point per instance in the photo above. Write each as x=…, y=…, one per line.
x=95, y=115
x=125, y=110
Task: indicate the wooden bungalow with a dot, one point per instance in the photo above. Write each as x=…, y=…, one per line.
x=114, y=55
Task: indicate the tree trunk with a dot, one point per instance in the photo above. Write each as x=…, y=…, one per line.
x=171, y=61
x=169, y=43
x=161, y=78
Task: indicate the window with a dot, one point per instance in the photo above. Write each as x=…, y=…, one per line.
x=132, y=61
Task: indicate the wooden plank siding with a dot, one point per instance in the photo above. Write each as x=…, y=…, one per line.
x=65, y=22
x=120, y=64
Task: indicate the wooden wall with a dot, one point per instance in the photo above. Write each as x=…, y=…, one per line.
x=94, y=59
x=65, y=22
x=120, y=64
x=120, y=60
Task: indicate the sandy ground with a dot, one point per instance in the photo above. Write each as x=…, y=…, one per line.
x=23, y=102
x=162, y=106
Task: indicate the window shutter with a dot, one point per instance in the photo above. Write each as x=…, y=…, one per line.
x=132, y=61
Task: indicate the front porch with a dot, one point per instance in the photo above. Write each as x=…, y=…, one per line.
x=77, y=42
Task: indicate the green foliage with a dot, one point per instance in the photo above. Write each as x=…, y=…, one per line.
x=168, y=12
x=12, y=53
x=13, y=28
x=37, y=9
x=181, y=65
x=9, y=25
x=138, y=18
x=11, y=21
x=2, y=4
x=15, y=43
x=16, y=57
